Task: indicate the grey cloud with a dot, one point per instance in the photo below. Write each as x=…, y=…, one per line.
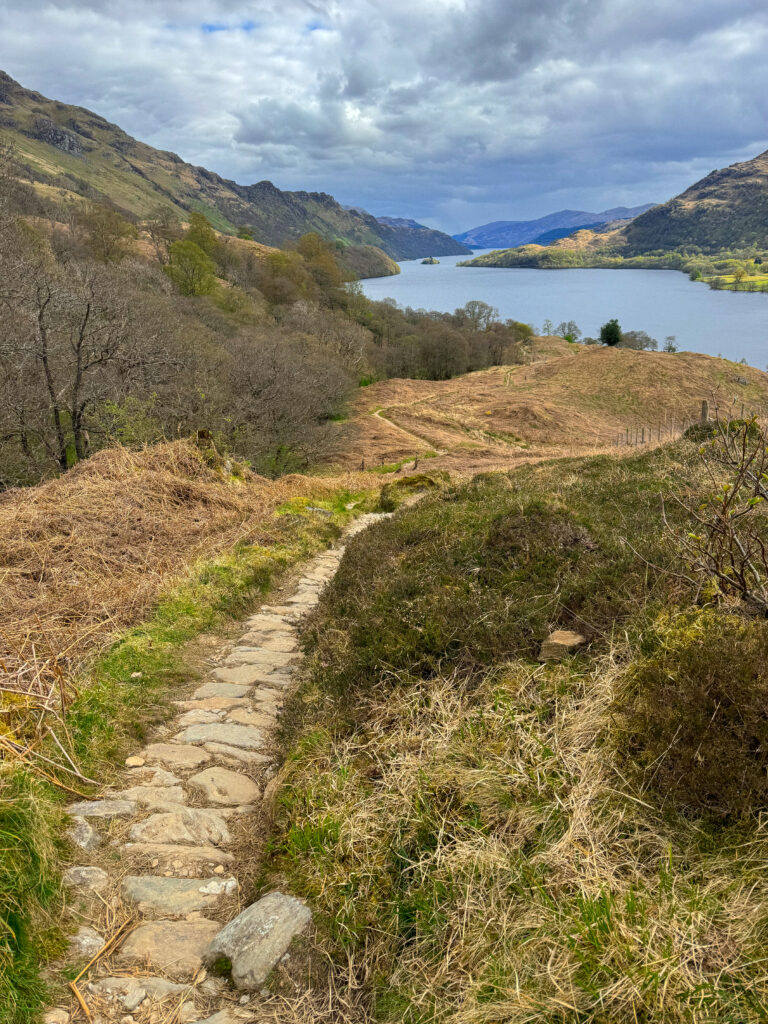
x=452, y=111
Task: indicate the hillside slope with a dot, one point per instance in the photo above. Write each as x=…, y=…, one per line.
x=73, y=149
x=572, y=400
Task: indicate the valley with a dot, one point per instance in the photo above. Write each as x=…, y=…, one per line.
x=373, y=660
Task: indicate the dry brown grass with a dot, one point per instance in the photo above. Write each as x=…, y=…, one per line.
x=85, y=555
x=504, y=416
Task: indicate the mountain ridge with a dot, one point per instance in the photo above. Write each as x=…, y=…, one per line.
x=74, y=150
x=507, y=234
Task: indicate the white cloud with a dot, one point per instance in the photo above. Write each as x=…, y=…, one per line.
x=453, y=111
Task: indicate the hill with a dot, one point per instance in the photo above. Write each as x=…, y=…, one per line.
x=569, y=399
x=72, y=150
x=509, y=233
x=716, y=231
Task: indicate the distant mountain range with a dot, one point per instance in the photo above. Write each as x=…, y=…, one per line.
x=722, y=215
x=72, y=150
x=510, y=233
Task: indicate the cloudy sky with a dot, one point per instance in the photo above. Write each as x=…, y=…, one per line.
x=455, y=112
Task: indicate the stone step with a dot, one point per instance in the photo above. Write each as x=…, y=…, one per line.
x=222, y=786
x=222, y=689
x=229, y=733
x=176, y=755
x=103, y=809
x=175, y=897
x=189, y=826
x=180, y=861
x=174, y=947
x=155, y=798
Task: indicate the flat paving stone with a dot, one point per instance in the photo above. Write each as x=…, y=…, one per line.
x=86, y=877
x=174, y=947
x=175, y=897
x=232, y=735
x=156, y=798
x=151, y=775
x=221, y=689
x=212, y=703
x=259, y=719
x=177, y=755
x=222, y=786
x=103, y=809
x=179, y=858
x=198, y=717
x=191, y=826
x=86, y=942
x=238, y=754
x=248, y=674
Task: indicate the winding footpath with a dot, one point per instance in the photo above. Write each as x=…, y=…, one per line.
x=158, y=878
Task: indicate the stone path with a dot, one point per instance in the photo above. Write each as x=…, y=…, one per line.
x=164, y=848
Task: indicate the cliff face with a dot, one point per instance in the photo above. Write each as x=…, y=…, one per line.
x=74, y=149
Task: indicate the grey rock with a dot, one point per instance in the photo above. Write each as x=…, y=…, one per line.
x=86, y=942
x=84, y=835
x=174, y=947
x=258, y=937
x=213, y=703
x=224, y=732
x=151, y=775
x=56, y=1017
x=103, y=809
x=174, y=897
x=132, y=992
x=198, y=717
x=250, y=673
x=259, y=719
x=222, y=786
x=156, y=798
x=84, y=877
x=221, y=690
x=237, y=755
x=189, y=825
x=176, y=755
x=182, y=858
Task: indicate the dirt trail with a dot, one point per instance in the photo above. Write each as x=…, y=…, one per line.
x=379, y=414
x=164, y=860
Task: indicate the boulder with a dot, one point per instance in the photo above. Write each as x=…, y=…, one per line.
x=257, y=938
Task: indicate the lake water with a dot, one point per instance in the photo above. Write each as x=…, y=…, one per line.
x=661, y=302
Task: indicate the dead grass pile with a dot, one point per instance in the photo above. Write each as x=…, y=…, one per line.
x=85, y=555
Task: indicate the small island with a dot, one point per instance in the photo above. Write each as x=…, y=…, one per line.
x=429, y=259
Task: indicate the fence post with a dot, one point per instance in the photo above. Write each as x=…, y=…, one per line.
x=642, y=435
x=705, y=411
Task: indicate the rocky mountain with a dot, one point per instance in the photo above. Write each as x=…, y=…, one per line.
x=509, y=233
x=69, y=149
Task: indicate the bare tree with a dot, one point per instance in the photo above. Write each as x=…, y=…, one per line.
x=728, y=541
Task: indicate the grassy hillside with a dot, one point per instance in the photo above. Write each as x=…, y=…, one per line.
x=486, y=838
x=569, y=399
x=71, y=149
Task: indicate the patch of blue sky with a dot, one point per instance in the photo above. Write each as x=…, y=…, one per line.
x=317, y=26
x=210, y=27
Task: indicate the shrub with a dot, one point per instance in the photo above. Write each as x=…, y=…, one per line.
x=694, y=714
